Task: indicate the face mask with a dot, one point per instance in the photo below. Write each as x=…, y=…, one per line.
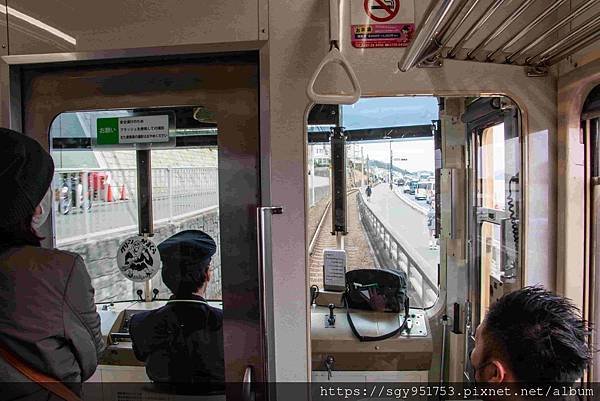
x=46, y=205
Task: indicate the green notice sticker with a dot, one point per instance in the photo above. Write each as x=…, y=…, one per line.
x=107, y=130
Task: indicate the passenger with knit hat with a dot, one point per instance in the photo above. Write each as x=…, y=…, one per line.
x=182, y=342
x=49, y=326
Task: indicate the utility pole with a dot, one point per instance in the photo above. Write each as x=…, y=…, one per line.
x=391, y=174
x=362, y=167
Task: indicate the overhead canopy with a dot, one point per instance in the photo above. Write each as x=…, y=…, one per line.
x=525, y=32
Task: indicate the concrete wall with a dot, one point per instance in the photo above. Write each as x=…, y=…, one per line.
x=110, y=285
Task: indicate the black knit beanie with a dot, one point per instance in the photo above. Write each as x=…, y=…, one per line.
x=26, y=171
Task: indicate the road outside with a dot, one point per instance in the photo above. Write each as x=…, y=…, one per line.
x=406, y=223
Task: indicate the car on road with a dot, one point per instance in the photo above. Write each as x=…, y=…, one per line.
x=423, y=190
x=411, y=187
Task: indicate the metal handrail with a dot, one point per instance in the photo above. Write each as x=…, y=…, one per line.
x=378, y=230
x=503, y=27
x=444, y=19
x=588, y=27
x=528, y=28
x=572, y=48
x=563, y=22
x=426, y=33
x=444, y=38
x=489, y=12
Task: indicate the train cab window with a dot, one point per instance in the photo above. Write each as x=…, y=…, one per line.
x=96, y=203
x=389, y=148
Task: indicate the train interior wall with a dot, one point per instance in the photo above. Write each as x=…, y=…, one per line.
x=292, y=39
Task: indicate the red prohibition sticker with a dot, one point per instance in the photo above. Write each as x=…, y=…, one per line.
x=382, y=10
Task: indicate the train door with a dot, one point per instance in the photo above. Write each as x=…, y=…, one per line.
x=211, y=103
x=494, y=223
x=591, y=128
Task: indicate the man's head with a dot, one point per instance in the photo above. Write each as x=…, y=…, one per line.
x=186, y=261
x=531, y=335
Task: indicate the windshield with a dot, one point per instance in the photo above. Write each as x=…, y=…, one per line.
x=96, y=198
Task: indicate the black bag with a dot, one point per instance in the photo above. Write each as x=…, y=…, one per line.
x=380, y=290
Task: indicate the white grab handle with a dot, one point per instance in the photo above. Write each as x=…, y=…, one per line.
x=334, y=56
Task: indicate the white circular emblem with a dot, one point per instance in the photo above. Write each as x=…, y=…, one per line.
x=138, y=258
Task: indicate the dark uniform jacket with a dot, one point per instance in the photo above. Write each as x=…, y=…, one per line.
x=182, y=342
x=48, y=317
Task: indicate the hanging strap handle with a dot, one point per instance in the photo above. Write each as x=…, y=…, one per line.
x=334, y=56
x=49, y=383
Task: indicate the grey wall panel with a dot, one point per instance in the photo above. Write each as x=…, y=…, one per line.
x=52, y=26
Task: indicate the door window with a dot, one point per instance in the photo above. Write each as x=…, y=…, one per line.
x=96, y=196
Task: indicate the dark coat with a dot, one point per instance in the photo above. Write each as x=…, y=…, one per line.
x=48, y=317
x=182, y=342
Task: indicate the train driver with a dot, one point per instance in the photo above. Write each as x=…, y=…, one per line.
x=531, y=336
x=182, y=342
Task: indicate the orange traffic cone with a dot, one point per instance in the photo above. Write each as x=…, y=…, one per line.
x=123, y=194
x=109, y=195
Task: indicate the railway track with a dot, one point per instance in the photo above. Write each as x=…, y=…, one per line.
x=358, y=251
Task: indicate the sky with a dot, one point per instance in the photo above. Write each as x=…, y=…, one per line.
x=391, y=112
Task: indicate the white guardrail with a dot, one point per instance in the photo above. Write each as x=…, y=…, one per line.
x=90, y=203
x=392, y=253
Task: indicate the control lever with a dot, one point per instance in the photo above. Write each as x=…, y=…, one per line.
x=329, y=361
x=314, y=293
x=409, y=324
x=331, y=318
x=155, y=292
x=140, y=294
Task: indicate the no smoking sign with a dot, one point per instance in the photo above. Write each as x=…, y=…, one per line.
x=382, y=10
x=382, y=23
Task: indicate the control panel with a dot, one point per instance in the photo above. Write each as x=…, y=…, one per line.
x=335, y=348
x=115, y=319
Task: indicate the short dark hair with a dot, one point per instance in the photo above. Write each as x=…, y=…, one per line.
x=19, y=234
x=540, y=335
x=193, y=280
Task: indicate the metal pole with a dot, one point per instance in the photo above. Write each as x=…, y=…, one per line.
x=547, y=53
x=170, y=186
x=362, y=167
x=391, y=173
x=86, y=202
x=339, y=240
x=455, y=13
x=144, y=182
x=443, y=39
x=549, y=32
x=507, y=22
x=434, y=17
x=148, y=290
x=573, y=48
x=493, y=7
x=521, y=34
